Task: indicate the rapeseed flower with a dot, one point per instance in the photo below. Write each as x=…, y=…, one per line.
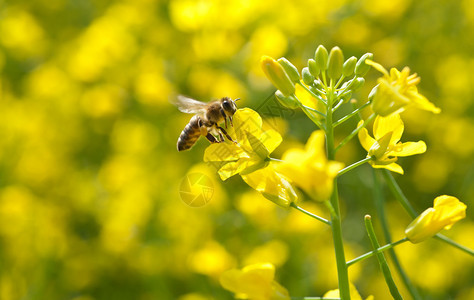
x=251, y=150
x=385, y=147
x=396, y=91
x=446, y=211
x=255, y=282
x=334, y=294
x=309, y=168
x=249, y=157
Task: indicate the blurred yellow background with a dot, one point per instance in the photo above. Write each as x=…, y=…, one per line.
x=90, y=177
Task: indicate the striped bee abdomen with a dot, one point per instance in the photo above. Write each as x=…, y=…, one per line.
x=190, y=134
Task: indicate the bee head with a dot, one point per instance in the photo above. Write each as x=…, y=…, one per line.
x=229, y=106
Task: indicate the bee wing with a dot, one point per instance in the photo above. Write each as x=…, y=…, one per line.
x=190, y=106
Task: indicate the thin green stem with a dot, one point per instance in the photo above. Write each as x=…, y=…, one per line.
x=321, y=219
x=336, y=226
x=372, y=253
x=398, y=193
x=311, y=93
x=400, y=196
x=339, y=82
x=353, y=113
x=313, y=110
x=379, y=200
x=337, y=105
x=447, y=240
x=353, y=166
x=382, y=261
x=355, y=131
x=312, y=117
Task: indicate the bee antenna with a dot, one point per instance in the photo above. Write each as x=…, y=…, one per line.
x=236, y=99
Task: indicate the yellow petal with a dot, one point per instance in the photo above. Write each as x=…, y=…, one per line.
x=377, y=66
x=247, y=120
x=391, y=167
x=271, y=139
x=409, y=148
x=230, y=280
x=392, y=123
x=446, y=211
x=232, y=168
x=315, y=146
x=222, y=152
x=365, y=139
x=272, y=186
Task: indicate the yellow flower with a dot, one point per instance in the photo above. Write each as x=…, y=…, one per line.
x=334, y=294
x=252, y=148
x=309, y=169
x=397, y=91
x=255, y=282
x=277, y=75
x=272, y=185
x=249, y=158
x=446, y=211
x=386, y=146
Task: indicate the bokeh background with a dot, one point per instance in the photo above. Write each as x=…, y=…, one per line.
x=89, y=173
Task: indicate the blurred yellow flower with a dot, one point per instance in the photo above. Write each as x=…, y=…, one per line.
x=334, y=294
x=251, y=151
x=386, y=146
x=309, y=169
x=397, y=91
x=446, y=211
x=255, y=282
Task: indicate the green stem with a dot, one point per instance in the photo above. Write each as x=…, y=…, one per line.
x=311, y=116
x=310, y=214
x=313, y=110
x=337, y=105
x=372, y=253
x=336, y=226
x=398, y=193
x=379, y=200
x=354, y=165
x=312, y=94
x=355, y=131
x=353, y=113
x=382, y=261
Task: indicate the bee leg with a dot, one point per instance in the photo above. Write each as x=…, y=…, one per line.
x=211, y=138
x=225, y=122
x=226, y=134
x=230, y=119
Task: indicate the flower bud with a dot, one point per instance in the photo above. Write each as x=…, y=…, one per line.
x=357, y=83
x=335, y=62
x=361, y=67
x=318, y=84
x=446, y=211
x=313, y=67
x=349, y=66
x=287, y=101
x=321, y=58
x=379, y=148
x=277, y=75
x=308, y=79
x=290, y=69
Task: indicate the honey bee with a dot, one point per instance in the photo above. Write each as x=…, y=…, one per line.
x=206, y=120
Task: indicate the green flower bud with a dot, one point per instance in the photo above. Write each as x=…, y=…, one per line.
x=290, y=69
x=277, y=75
x=336, y=59
x=287, y=101
x=361, y=67
x=358, y=83
x=315, y=90
x=313, y=67
x=349, y=66
x=373, y=92
x=308, y=79
x=318, y=84
x=321, y=58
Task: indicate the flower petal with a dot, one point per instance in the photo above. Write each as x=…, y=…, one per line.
x=271, y=139
x=222, y=152
x=365, y=139
x=409, y=148
x=247, y=120
x=392, y=123
x=391, y=167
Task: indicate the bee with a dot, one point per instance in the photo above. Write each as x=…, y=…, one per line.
x=206, y=120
